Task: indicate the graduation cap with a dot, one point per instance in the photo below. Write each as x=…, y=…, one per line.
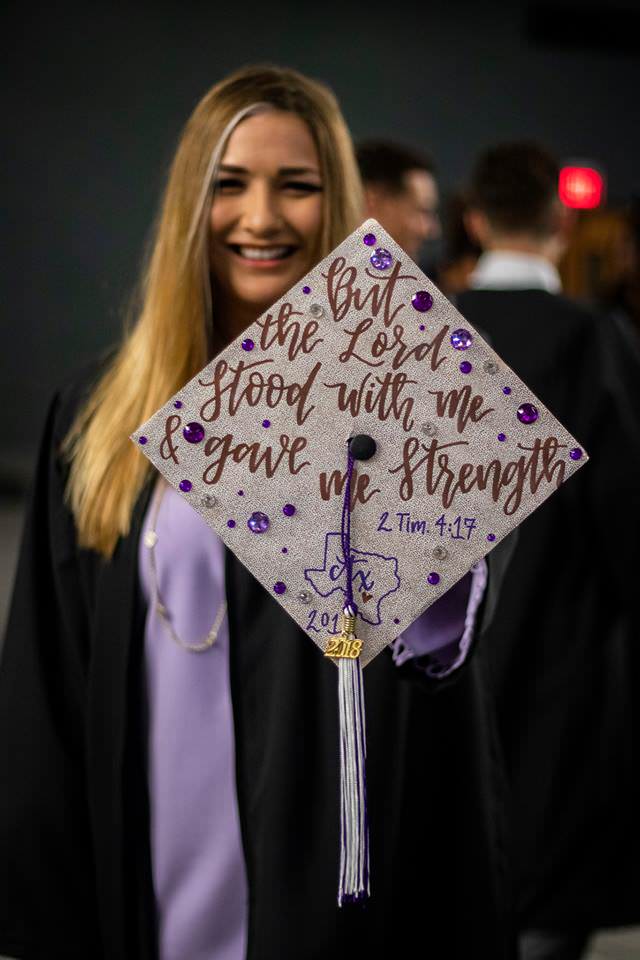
x=359, y=448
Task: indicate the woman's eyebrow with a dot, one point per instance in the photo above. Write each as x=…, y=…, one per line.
x=283, y=171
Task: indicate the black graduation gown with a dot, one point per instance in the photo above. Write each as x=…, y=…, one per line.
x=560, y=645
x=74, y=828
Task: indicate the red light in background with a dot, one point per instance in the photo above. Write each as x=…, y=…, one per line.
x=580, y=187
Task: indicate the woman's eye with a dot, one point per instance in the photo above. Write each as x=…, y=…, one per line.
x=233, y=183
x=227, y=183
x=305, y=187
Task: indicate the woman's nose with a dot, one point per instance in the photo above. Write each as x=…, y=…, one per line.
x=261, y=212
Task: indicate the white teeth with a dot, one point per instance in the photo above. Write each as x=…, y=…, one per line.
x=270, y=253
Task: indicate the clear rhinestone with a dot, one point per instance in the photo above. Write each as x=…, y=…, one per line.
x=304, y=596
x=429, y=429
x=490, y=367
x=316, y=310
x=439, y=553
x=150, y=539
x=208, y=501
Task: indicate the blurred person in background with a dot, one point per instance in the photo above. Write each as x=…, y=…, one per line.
x=461, y=251
x=599, y=257
x=560, y=652
x=400, y=192
x=601, y=267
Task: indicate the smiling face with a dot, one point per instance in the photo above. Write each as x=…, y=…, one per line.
x=266, y=216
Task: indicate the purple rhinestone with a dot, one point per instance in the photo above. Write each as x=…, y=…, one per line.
x=231, y=524
x=185, y=485
x=193, y=432
x=465, y=367
x=266, y=423
x=369, y=239
x=433, y=578
x=422, y=301
x=306, y=289
x=241, y=493
x=422, y=327
x=381, y=258
x=491, y=537
x=258, y=522
x=506, y=391
x=285, y=550
x=279, y=587
x=248, y=344
x=396, y=620
x=142, y=440
x=288, y=509
x=461, y=339
x=575, y=453
x=527, y=413
x=177, y=404
x=502, y=437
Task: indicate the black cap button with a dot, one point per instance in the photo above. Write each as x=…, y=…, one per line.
x=362, y=446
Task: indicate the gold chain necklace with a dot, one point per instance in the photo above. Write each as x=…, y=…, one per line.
x=150, y=541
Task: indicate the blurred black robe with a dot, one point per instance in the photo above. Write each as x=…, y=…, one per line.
x=75, y=878
x=562, y=647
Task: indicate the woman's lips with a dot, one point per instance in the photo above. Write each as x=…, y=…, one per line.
x=262, y=257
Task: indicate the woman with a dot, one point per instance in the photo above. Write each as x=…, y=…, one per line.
x=175, y=805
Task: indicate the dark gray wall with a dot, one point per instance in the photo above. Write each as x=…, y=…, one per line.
x=96, y=95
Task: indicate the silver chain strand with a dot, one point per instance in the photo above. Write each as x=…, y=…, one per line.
x=150, y=540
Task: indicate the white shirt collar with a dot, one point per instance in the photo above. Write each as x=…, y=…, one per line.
x=511, y=270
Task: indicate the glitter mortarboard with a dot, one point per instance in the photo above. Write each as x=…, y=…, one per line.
x=359, y=448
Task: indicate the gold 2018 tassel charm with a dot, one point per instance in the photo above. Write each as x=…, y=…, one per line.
x=346, y=644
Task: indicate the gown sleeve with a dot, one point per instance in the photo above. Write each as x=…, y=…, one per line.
x=445, y=630
x=436, y=648
x=45, y=841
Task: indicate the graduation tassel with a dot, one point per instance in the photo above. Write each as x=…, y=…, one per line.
x=354, y=831
x=354, y=828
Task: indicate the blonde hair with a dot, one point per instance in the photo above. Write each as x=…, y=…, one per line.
x=174, y=333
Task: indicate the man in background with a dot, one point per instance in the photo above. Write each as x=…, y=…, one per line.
x=400, y=192
x=559, y=653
